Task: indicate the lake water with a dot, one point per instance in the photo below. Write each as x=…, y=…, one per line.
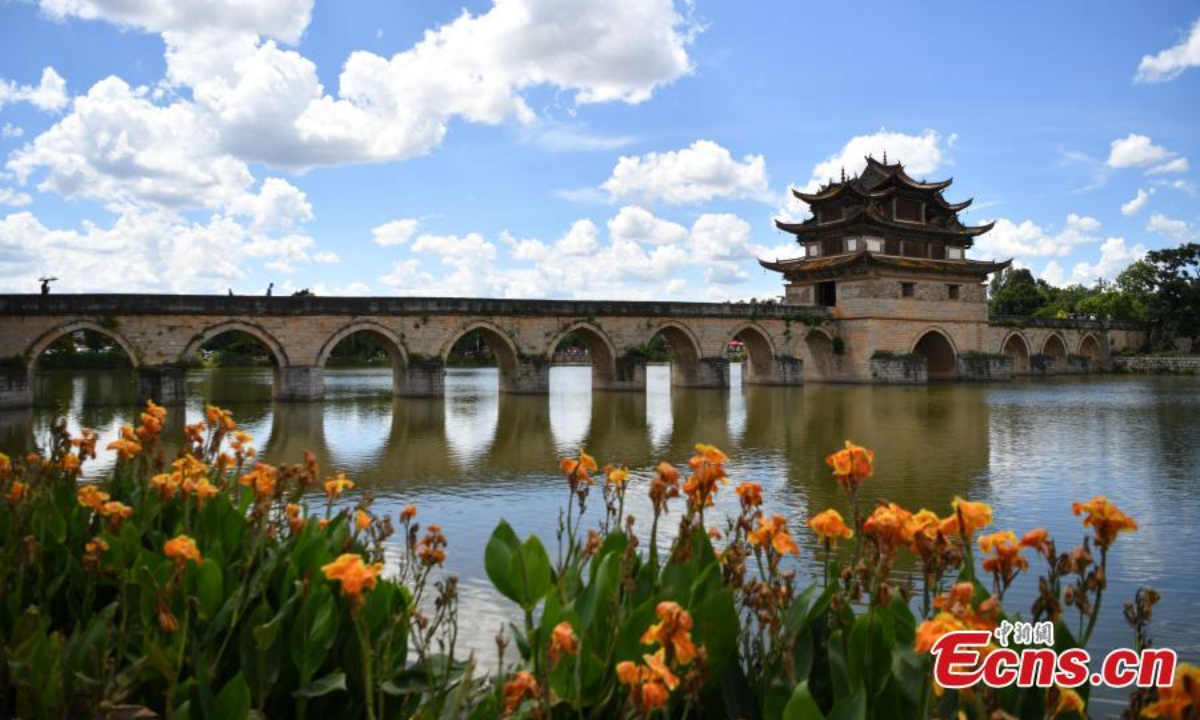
x=1028, y=447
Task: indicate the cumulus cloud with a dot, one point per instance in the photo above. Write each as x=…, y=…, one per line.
x=1027, y=239
x=638, y=225
x=701, y=172
x=49, y=95
x=1139, y=151
x=1134, y=206
x=396, y=232
x=921, y=154
x=10, y=131
x=1177, y=230
x=1169, y=63
x=1115, y=256
x=8, y=196
x=283, y=19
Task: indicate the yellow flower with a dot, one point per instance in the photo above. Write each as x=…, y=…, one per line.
x=166, y=483
x=975, y=516
x=1005, y=561
x=1181, y=700
x=263, y=478
x=577, y=469
x=773, y=532
x=127, y=446
x=182, y=548
x=616, y=476
x=204, y=490
x=355, y=576
x=91, y=496
x=1105, y=518
x=362, y=520
x=829, y=526
x=852, y=465
x=335, y=486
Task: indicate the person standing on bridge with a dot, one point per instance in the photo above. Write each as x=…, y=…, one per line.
x=45, y=281
x=270, y=288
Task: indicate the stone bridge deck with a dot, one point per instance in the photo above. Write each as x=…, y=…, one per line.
x=162, y=333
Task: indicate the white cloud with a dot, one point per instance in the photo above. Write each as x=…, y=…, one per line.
x=1008, y=239
x=1177, y=230
x=1139, y=151
x=558, y=137
x=10, y=131
x=8, y=196
x=396, y=232
x=1114, y=257
x=326, y=256
x=638, y=225
x=921, y=154
x=282, y=19
x=1177, y=165
x=1171, y=62
x=722, y=237
x=1134, y=206
x=699, y=173
x=49, y=95
x=581, y=239
x=1053, y=274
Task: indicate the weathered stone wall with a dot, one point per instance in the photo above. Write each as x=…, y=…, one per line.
x=1180, y=365
x=899, y=370
x=973, y=366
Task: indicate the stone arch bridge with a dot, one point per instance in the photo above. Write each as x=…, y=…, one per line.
x=785, y=344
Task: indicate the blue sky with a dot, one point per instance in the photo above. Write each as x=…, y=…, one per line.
x=545, y=148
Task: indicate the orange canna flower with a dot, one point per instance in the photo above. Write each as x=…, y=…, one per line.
x=408, y=513
x=664, y=486
x=750, y=494
x=335, y=486
x=1066, y=701
x=888, y=524
x=220, y=418
x=16, y=492
x=91, y=496
x=673, y=631
x=562, y=640
x=1105, y=518
x=115, y=510
x=829, y=526
x=292, y=512
x=262, y=478
x=929, y=631
x=852, y=465
x=707, y=470
x=70, y=462
x=431, y=550
x=1181, y=700
x=93, y=552
x=1005, y=561
x=616, y=476
x=204, y=490
x=355, y=576
x=127, y=446
x=523, y=685
x=772, y=532
x=362, y=520
x=650, y=684
x=1040, y=541
x=577, y=469
x=182, y=548
x=5, y=465
x=921, y=527
x=975, y=516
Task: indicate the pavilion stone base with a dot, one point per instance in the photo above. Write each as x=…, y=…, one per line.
x=709, y=372
x=165, y=385
x=630, y=376
x=299, y=383
x=530, y=377
x=16, y=390
x=984, y=367
x=900, y=370
x=424, y=378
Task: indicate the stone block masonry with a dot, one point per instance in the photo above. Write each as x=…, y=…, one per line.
x=1177, y=365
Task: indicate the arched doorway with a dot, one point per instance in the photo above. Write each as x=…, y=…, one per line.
x=1089, y=348
x=753, y=349
x=940, y=358
x=1016, y=349
x=364, y=347
x=236, y=362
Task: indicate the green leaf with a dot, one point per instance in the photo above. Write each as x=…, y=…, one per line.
x=233, y=702
x=716, y=622
x=332, y=682
x=850, y=708
x=802, y=706
x=210, y=585
x=503, y=562
x=739, y=698
x=538, y=576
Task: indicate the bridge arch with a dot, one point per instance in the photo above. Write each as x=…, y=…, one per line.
x=1055, y=347
x=269, y=341
x=499, y=341
x=941, y=357
x=1089, y=347
x=1015, y=346
x=820, y=363
x=685, y=351
x=760, y=351
x=48, y=338
x=390, y=341
x=600, y=348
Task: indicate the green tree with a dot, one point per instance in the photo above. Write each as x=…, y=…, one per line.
x=1174, y=304
x=1015, y=292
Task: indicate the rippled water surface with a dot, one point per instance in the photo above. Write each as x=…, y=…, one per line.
x=1029, y=447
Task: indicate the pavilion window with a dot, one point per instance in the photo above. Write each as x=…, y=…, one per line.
x=874, y=244
x=853, y=244
x=954, y=253
x=813, y=250
x=952, y=291
x=908, y=289
x=827, y=294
